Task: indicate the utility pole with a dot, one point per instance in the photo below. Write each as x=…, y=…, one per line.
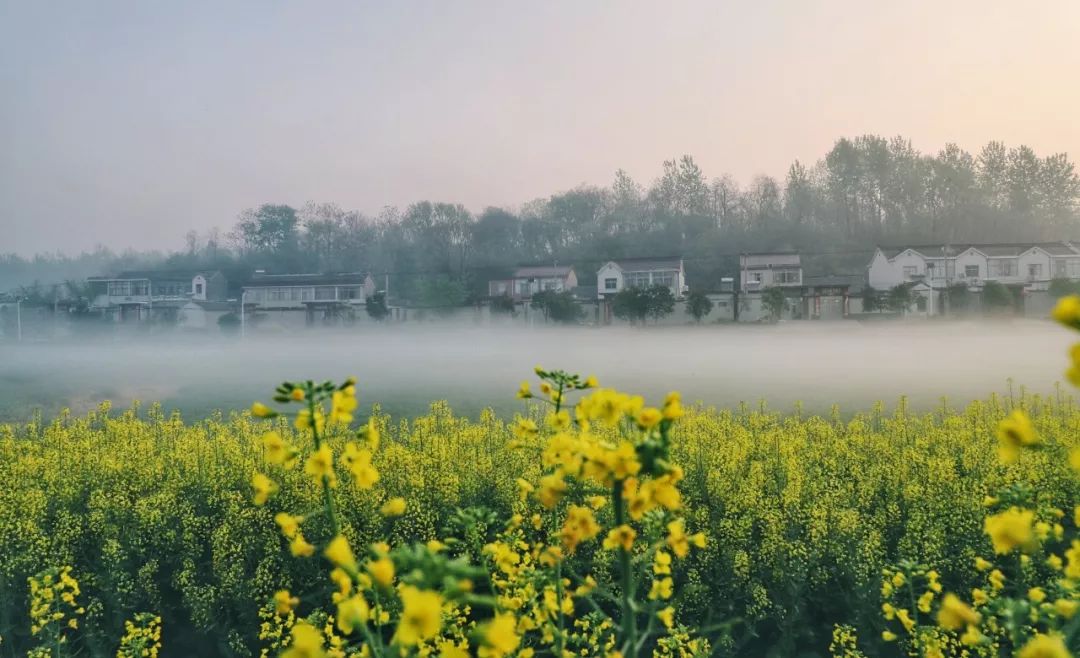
x=18, y=319
x=243, y=320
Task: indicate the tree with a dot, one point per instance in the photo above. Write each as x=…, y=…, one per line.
x=871, y=300
x=773, y=301
x=630, y=304
x=996, y=297
x=659, y=301
x=1062, y=287
x=557, y=306
x=502, y=304
x=959, y=297
x=376, y=306
x=698, y=305
x=899, y=298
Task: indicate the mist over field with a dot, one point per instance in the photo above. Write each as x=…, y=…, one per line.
x=404, y=368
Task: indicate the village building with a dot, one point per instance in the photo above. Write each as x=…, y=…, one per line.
x=136, y=296
x=526, y=281
x=617, y=275
x=292, y=300
x=758, y=271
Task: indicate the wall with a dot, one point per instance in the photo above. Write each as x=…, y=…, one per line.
x=609, y=271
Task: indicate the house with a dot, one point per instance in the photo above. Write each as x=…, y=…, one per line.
x=327, y=298
x=529, y=280
x=829, y=297
x=618, y=275
x=758, y=271
x=1027, y=267
x=159, y=294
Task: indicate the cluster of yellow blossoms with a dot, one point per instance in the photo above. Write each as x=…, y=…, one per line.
x=142, y=637
x=1028, y=604
x=606, y=466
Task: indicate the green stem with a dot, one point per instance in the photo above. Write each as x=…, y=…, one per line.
x=560, y=639
x=328, y=500
x=628, y=622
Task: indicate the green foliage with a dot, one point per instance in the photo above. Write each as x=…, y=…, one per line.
x=899, y=298
x=637, y=304
x=959, y=297
x=502, y=304
x=997, y=297
x=698, y=305
x=1062, y=287
x=557, y=306
x=229, y=323
x=376, y=306
x=871, y=300
x=442, y=293
x=774, y=302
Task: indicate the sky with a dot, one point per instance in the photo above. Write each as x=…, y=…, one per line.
x=126, y=124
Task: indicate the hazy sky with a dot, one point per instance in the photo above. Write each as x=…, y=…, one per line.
x=127, y=123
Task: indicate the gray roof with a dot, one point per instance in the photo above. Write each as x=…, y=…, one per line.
x=542, y=271
x=768, y=260
x=344, y=278
x=992, y=250
x=155, y=275
x=646, y=264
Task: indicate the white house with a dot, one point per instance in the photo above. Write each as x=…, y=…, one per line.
x=138, y=295
x=325, y=298
x=768, y=270
x=625, y=273
x=1028, y=265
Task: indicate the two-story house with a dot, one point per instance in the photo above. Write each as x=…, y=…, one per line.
x=140, y=295
x=288, y=298
x=625, y=273
x=529, y=280
x=1030, y=266
x=758, y=271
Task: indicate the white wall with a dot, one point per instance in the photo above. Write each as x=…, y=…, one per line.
x=971, y=257
x=883, y=274
x=609, y=271
x=1035, y=257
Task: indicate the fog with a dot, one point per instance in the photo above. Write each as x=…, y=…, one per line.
x=406, y=367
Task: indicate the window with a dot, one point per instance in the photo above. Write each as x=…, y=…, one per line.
x=663, y=279
x=1061, y=269
x=611, y=283
x=911, y=271
x=787, y=277
x=638, y=280
x=1003, y=267
x=550, y=284
x=198, y=288
x=1035, y=270
x=755, y=277
x=971, y=271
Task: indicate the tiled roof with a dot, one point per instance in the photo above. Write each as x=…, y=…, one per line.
x=542, y=271
x=345, y=278
x=992, y=250
x=646, y=264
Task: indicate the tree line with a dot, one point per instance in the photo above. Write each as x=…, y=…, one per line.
x=865, y=191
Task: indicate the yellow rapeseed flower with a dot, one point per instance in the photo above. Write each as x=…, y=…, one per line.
x=955, y=614
x=1067, y=311
x=340, y=554
x=649, y=417
x=500, y=636
x=284, y=602
x=307, y=642
x=620, y=537
x=352, y=612
x=393, y=507
x=1015, y=433
x=297, y=394
x=264, y=488
x=300, y=547
x=260, y=410
x=382, y=571
x=289, y=524
x=320, y=464
x=1011, y=529
x=421, y=616
x=1066, y=608
x=1044, y=646
x=667, y=616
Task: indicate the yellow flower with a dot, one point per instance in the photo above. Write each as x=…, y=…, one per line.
x=1011, y=529
x=620, y=537
x=649, y=418
x=284, y=602
x=558, y=421
x=1066, y=608
x=888, y=636
x=382, y=571
x=260, y=410
x=303, y=420
x=971, y=636
x=352, y=612
x=264, y=488
x=997, y=579
x=307, y=642
x=525, y=428
x=393, y=507
x=1014, y=433
x=905, y=618
x=982, y=565
x=898, y=579
x=320, y=464
x=369, y=433
x=552, y=489
x=979, y=597
x=500, y=636
x=342, y=404
x=1067, y=311
x=590, y=382
x=277, y=451
x=1072, y=561
x=662, y=563
x=524, y=392
x=340, y=554
x=421, y=616
x=358, y=461
x=289, y=524
x=1044, y=646
x=667, y=616
x=955, y=614
x=679, y=542
x=580, y=526
x=925, y=600
x=661, y=589
x=297, y=394
x=300, y=547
